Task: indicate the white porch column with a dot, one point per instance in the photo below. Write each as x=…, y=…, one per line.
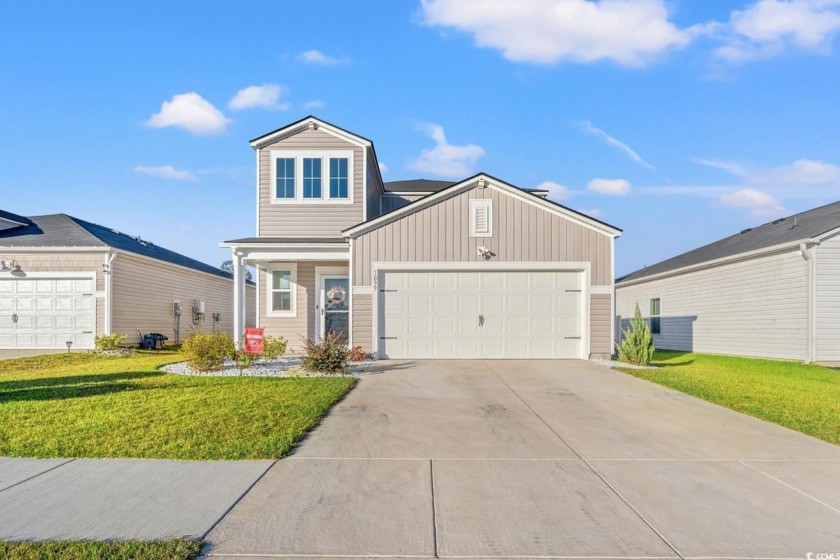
x=238, y=299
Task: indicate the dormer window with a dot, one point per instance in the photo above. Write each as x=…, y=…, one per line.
x=306, y=177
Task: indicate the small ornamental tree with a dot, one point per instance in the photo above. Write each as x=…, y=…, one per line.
x=637, y=343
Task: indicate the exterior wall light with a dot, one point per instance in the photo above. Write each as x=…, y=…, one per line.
x=9, y=265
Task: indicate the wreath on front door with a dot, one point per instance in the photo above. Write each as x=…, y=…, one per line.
x=336, y=295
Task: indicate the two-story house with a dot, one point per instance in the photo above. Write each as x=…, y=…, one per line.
x=418, y=269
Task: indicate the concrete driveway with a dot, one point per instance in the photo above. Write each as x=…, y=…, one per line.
x=542, y=459
x=9, y=354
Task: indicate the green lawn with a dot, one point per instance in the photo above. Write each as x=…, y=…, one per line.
x=177, y=549
x=86, y=405
x=802, y=397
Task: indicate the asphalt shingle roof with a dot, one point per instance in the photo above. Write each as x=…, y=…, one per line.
x=14, y=217
x=798, y=227
x=61, y=230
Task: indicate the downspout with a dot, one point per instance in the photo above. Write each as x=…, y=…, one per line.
x=107, y=269
x=810, y=331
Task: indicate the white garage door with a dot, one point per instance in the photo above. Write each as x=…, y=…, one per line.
x=522, y=314
x=47, y=312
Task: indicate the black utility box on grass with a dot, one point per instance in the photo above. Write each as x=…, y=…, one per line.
x=153, y=341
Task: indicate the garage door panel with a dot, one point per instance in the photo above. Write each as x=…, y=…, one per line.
x=49, y=312
x=526, y=314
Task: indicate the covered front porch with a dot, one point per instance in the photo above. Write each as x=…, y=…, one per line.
x=303, y=287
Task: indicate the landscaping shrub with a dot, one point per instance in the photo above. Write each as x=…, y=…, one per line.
x=330, y=355
x=207, y=352
x=357, y=354
x=109, y=341
x=637, y=344
x=274, y=347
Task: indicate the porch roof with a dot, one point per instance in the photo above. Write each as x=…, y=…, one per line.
x=285, y=240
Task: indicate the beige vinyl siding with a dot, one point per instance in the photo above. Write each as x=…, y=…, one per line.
x=314, y=219
x=600, y=325
x=306, y=322
x=757, y=307
x=521, y=232
x=143, y=291
x=828, y=300
x=392, y=201
x=59, y=262
x=362, y=321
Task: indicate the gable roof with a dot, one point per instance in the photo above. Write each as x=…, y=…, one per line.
x=428, y=186
x=304, y=123
x=61, y=230
x=491, y=182
x=796, y=228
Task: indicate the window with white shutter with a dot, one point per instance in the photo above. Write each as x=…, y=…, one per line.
x=481, y=218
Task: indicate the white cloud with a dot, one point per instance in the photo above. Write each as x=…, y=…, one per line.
x=611, y=187
x=165, y=172
x=556, y=191
x=612, y=141
x=760, y=204
x=314, y=104
x=191, y=112
x=770, y=27
x=446, y=160
x=266, y=96
x=383, y=168
x=314, y=56
x=628, y=32
x=803, y=172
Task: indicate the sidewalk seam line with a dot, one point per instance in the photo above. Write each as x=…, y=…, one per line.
x=585, y=462
x=434, y=508
x=37, y=475
x=794, y=488
x=237, y=500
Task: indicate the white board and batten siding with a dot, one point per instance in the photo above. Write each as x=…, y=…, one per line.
x=756, y=307
x=143, y=291
x=828, y=300
x=521, y=233
x=310, y=219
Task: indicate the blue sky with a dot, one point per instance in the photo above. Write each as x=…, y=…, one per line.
x=680, y=122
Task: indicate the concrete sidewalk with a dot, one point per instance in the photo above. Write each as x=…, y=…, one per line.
x=120, y=499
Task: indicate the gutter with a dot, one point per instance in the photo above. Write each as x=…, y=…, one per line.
x=811, y=267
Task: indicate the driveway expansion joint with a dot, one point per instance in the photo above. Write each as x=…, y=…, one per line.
x=18, y=483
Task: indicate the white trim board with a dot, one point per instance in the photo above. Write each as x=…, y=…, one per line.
x=308, y=123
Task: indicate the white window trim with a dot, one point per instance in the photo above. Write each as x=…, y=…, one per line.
x=299, y=156
x=270, y=270
x=474, y=205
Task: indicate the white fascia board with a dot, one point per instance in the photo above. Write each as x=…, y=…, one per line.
x=781, y=248
x=407, y=193
x=296, y=128
x=42, y=249
x=281, y=246
x=571, y=266
x=468, y=184
x=828, y=234
x=254, y=256
x=14, y=223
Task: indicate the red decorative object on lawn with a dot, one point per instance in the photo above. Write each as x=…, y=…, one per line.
x=254, y=340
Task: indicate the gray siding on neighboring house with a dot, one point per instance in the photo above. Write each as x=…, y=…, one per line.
x=313, y=219
x=143, y=291
x=521, y=232
x=362, y=321
x=59, y=262
x=828, y=300
x=600, y=324
x=306, y=322
x=756, y=307
x=393, y=201
x=375, y=190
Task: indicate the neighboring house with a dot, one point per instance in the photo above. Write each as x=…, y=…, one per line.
x=418, y=269
x=64, y=279
x=772, y=291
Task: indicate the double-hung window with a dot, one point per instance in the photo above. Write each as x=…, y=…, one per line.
x=656, y=316
x=305, y=176
x=281, y=287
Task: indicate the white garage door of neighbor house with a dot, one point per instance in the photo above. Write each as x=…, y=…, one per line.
x=47, y=312
x=498, y=314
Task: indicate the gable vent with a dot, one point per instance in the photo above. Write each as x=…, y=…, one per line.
x=481, y=218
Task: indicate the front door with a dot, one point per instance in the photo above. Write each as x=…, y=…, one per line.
x=335, y=306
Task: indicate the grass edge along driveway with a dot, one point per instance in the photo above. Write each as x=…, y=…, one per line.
x=86, y=405
x=175, y=549
x=803, y=397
